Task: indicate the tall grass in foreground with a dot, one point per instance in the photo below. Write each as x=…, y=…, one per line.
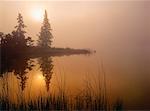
x=93, y=96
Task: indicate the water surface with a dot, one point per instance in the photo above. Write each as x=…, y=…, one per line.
x=124, y=77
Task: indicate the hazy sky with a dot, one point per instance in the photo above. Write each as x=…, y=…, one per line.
x=84, y=24
x=118, y=30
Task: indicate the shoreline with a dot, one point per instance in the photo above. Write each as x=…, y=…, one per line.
x=34, y=52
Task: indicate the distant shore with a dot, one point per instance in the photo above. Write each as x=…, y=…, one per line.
x=34, y=52
x=37, y=51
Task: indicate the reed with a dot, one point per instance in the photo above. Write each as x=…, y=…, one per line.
x=87, y=99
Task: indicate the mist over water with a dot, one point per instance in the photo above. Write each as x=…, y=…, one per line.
x=118, y=31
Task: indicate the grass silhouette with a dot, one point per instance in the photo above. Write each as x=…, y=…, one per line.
x=87, y=99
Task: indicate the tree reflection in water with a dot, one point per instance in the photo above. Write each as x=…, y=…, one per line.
x=86, y=100
x=21, y=69
x=20, y=66
x=46, y=67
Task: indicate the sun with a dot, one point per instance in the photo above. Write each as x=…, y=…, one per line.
x=37, y=14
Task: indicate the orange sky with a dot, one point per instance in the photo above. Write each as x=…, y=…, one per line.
x=119, y=31
x=83, y=24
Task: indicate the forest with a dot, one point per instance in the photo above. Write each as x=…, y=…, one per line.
x=17, y=44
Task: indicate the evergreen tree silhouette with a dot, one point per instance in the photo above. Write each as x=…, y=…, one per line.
x=19, y=33
x=15, y=43
x=45, y=37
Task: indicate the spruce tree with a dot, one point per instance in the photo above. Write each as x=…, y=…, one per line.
x=20, y=27
x=45, y=37
x=19, y=33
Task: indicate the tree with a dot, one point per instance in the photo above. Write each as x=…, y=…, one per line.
x=19, y=34
x=15, y=43
x=29, y=41
x=45, y=37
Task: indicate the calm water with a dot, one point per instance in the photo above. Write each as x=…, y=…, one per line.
x=127, y=77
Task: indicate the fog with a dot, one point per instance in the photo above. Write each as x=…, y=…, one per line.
x=96, y=25
x=119, y=31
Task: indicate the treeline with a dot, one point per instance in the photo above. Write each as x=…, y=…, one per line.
x=17, y=43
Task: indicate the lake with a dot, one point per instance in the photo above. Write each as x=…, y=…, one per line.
x=116, y=77
x=120, y=76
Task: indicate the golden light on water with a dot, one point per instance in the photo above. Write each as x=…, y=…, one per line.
x=118, y=31
x=39, y=77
